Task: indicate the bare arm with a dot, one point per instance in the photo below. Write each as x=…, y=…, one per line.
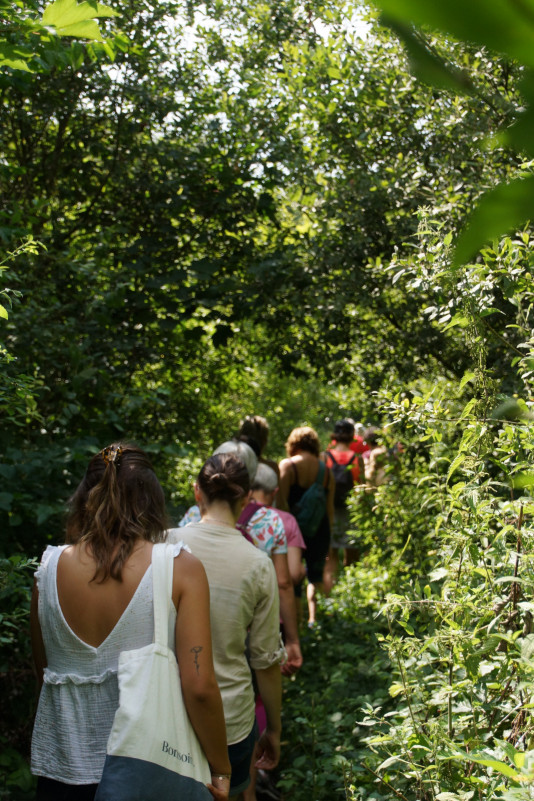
x=270, y=688
x=38, y=648
x=284, y=485
x=193, y=650
x=288, y=613
x=297, y=570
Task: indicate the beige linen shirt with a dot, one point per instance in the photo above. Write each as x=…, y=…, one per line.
x=243, y=598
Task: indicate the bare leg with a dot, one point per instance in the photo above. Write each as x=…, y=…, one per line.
x=331, y=567
x=311, y=595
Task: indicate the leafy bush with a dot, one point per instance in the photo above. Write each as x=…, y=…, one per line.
x=17, y=683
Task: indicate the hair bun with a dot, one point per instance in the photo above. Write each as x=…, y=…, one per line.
x=224, y=477
x=219, y=479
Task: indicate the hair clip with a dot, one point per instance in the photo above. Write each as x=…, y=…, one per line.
x=111, y=454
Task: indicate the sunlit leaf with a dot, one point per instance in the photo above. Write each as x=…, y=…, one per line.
x=500, y=767
x=500, y=25
x=498, y=212
x=63, y=13
x=82, y=30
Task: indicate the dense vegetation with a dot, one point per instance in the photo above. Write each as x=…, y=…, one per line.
x=212, y=209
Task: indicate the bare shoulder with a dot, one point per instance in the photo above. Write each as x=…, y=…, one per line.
x=285, y=465
x=188, y=568
x=189, y=577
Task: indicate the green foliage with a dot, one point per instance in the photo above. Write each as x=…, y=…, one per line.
x=392, y=525
x=507, y=29
x=28, y=37
x=16, y=676
x=343, y=671
x=254, y=210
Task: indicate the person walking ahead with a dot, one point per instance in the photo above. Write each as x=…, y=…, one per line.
x=306, y=482
x=244, y=610
x=347, y=467
x=93, y=599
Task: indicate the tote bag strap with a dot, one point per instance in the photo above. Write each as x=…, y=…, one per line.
x=162, y=572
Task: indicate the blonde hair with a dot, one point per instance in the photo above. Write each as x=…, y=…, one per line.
x=303, y=438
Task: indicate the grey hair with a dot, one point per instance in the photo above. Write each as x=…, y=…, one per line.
x=244, y=452
x=265, y=479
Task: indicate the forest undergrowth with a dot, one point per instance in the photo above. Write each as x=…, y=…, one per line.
x=417, y=684
x=344, y=670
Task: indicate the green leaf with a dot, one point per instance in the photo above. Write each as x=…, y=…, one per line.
x=500, y=25
x=500, y=767
x=458, y=320
x=468, y=408
x=438, y=574
x=519, y=135
x=523, y=480
x=499, y=211
x=3, y=313
x=389, y=761
x=15, y=57
x=428, y=67
x=468, y=376
x=82, y=30
x=64, y=13
x=456, y=463
x=334, y=72
x=5, y=500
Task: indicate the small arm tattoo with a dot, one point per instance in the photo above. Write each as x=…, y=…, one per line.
x=196, y=650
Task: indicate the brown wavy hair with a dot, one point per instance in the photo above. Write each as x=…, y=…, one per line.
x=118, y=502
x=256, y=427
x=224, y=477
x=303, y=439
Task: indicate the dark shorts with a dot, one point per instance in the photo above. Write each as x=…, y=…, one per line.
x=240, y=755
x=316, y=553
x=52, y=790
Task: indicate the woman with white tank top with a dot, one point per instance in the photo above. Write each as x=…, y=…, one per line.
x=93, y=599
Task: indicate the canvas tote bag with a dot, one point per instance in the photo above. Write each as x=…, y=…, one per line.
x=153, y=753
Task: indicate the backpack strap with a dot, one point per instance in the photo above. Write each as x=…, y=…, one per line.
x=294, y=466
x=244, y=518
x=352, y=458
x=321, y=473
x=331, y=456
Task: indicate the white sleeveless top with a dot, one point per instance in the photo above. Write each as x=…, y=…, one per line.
x=80, y=694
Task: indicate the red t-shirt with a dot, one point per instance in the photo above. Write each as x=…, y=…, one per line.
x=358, y=445
x=344, y=457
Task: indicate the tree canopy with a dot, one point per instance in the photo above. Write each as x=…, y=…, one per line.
x=214, y=209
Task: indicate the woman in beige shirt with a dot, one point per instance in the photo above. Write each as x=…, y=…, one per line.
x=243, y=600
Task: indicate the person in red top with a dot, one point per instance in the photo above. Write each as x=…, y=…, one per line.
x=358, y=443
x=347, y=466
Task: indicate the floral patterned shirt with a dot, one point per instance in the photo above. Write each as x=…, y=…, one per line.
x=265, y=528
x=267, y=531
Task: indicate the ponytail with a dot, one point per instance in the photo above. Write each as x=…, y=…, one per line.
x=118, y=502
